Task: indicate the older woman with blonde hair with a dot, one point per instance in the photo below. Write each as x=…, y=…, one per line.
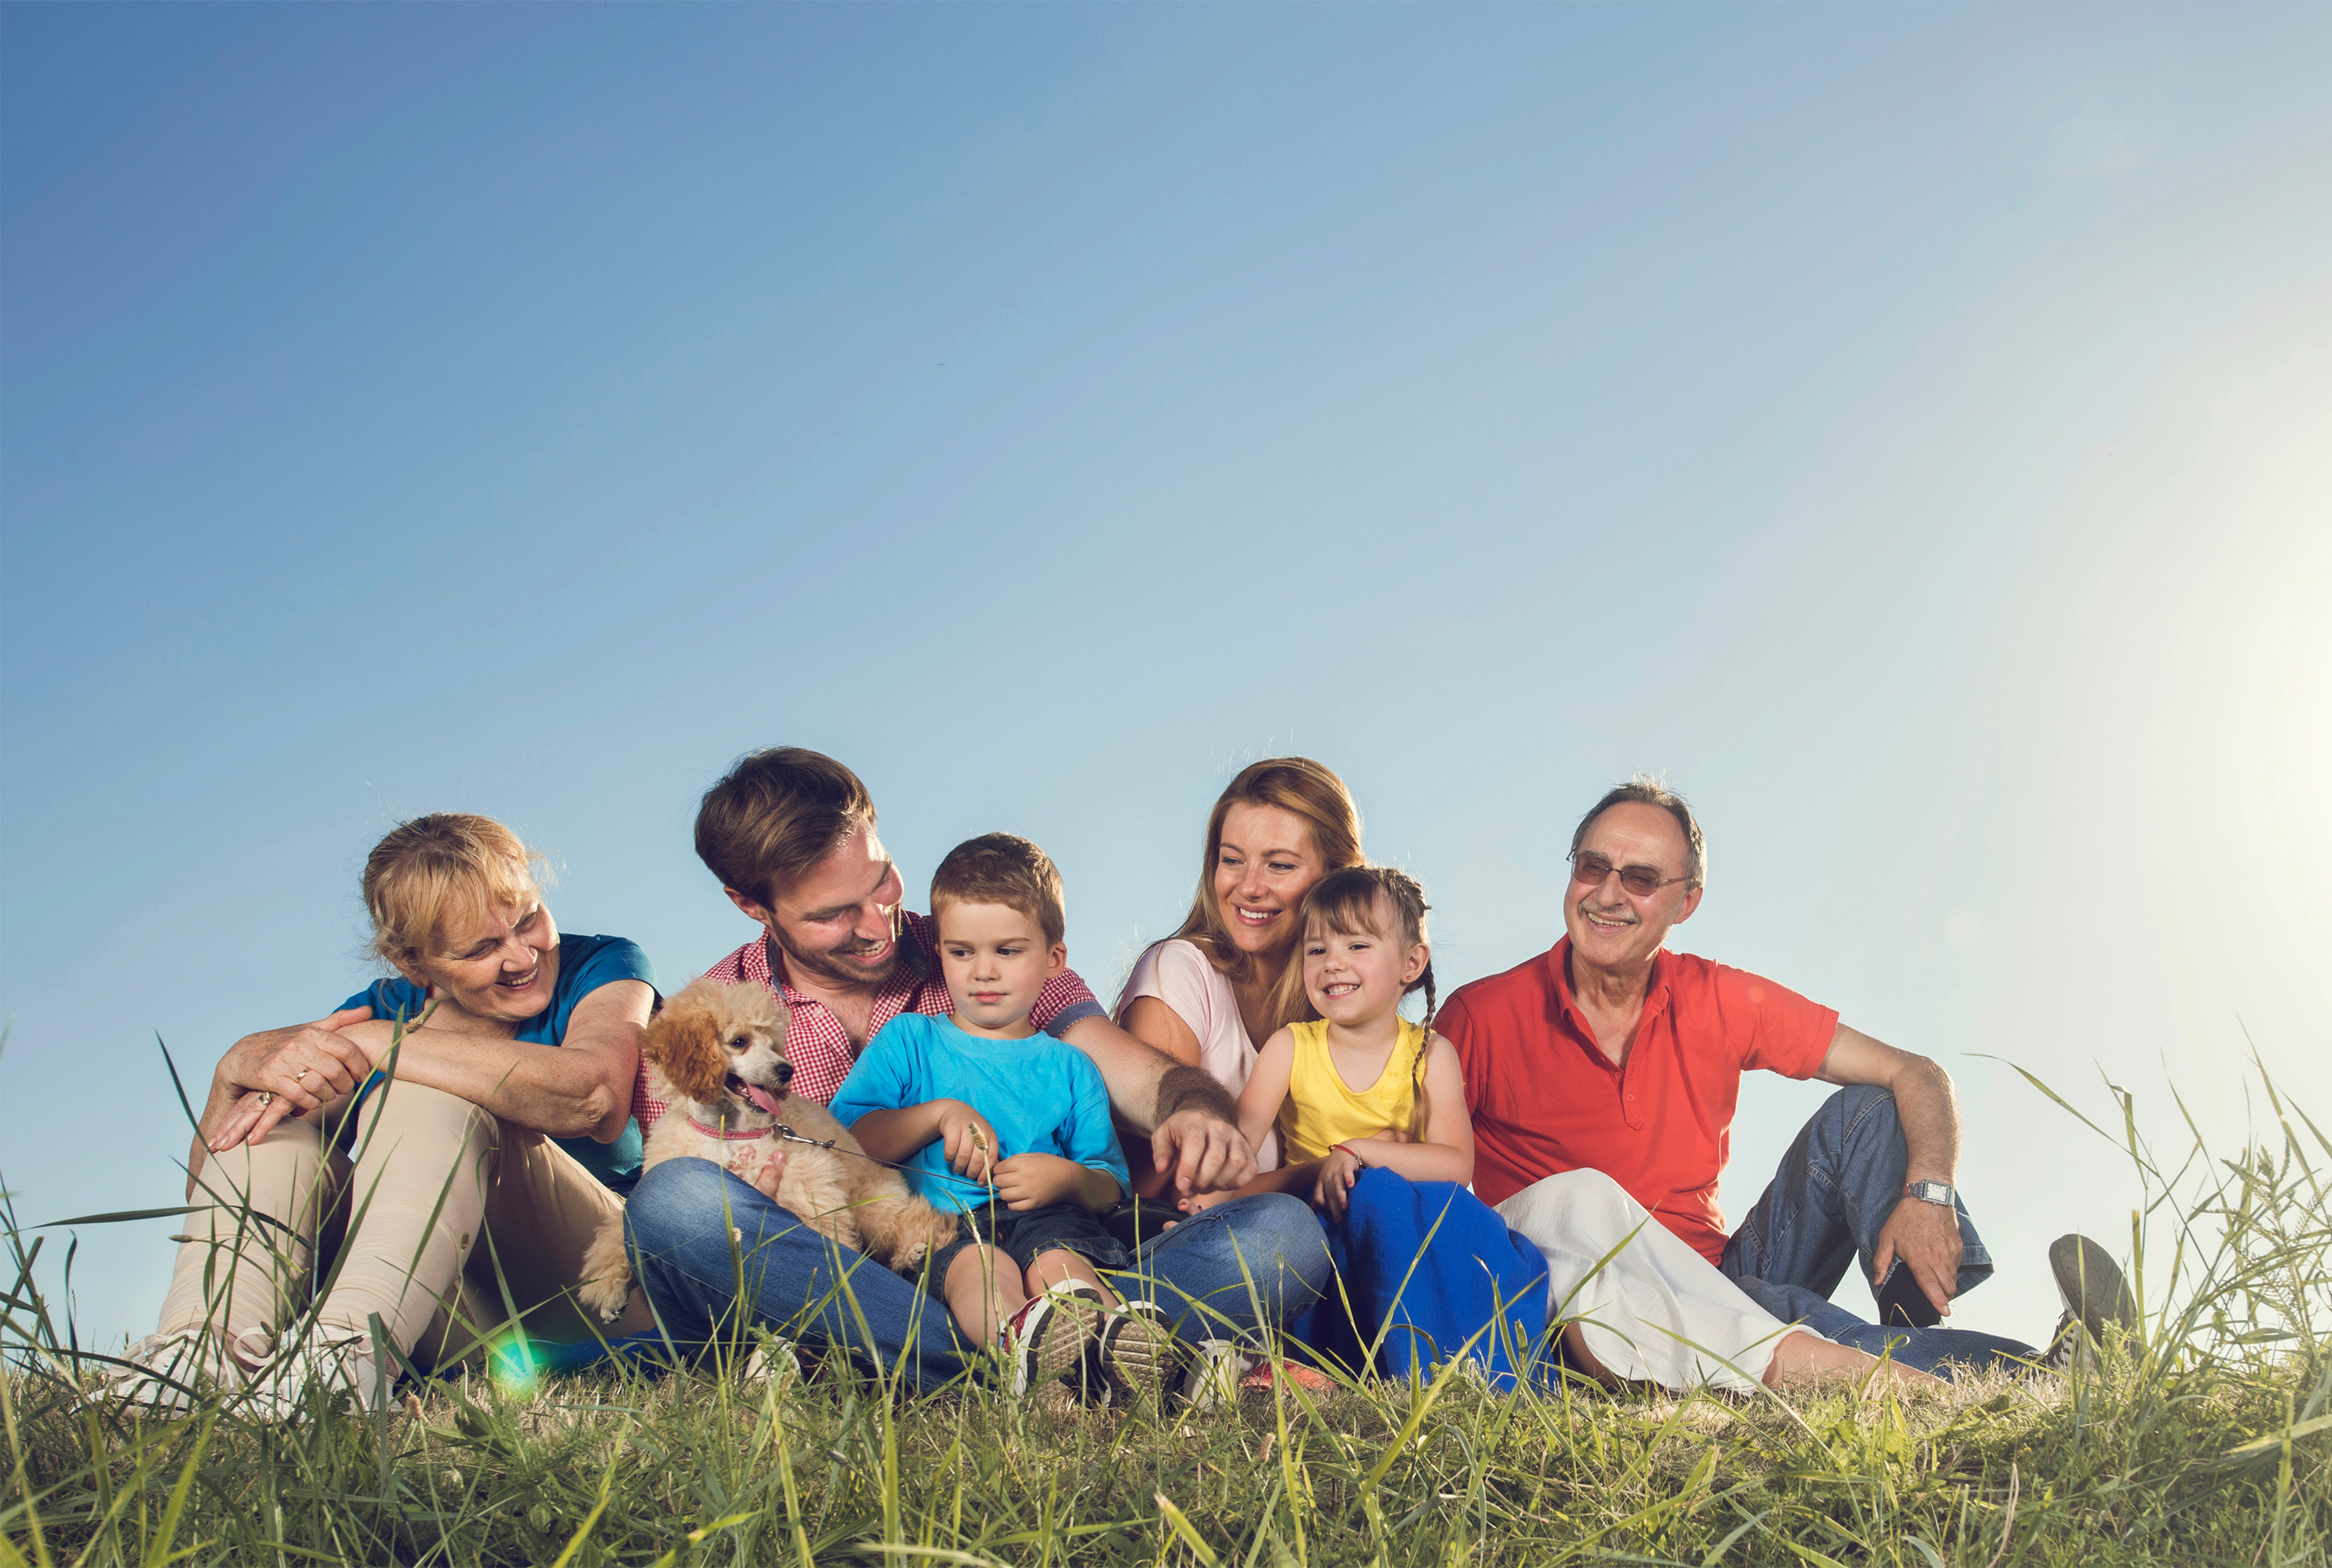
x=467, y=1121
x=1210, y=994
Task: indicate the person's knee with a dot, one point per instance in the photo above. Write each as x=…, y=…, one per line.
x=671, y=1200
x=1278, y=1226
x=404, y=1110
x=1554, y=1205
x=1587, y=1185
x=1860, y=1105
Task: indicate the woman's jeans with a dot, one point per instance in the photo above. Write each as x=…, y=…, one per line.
x=715, y=1254
x=1824, y=1208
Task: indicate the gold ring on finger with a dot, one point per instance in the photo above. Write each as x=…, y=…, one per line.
x=266, y=1098
x=302, y=1076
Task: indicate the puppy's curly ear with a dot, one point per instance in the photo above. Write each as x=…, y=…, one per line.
x=684, y=1040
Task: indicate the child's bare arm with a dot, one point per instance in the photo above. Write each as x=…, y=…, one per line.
x=897, y=1134
x=1031, y=1180
x=1267, y=1087
x=1258, y=1109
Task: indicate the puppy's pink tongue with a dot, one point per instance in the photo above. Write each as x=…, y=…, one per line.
x=764, y=1099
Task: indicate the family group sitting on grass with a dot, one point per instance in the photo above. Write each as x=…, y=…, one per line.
x=1255, y=1164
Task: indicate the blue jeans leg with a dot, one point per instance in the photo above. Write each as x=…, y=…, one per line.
x=778, y=1273
x=1940, y=1351
x=1830, y=1198
x=1238, y=1267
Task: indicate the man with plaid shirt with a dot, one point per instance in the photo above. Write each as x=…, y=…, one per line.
x=790, y=834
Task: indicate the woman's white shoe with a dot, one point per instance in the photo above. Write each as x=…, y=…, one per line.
x=339, y=1376
x=166, y=1372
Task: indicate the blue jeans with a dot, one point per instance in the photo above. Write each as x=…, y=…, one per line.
x=1824, y=1210
x=1242, y=1265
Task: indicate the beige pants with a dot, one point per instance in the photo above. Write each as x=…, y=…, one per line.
x=445, y=1208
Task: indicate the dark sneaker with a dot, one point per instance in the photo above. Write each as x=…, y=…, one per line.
x=1050, y=1339
x=1138, y=1354
x=2095, y=1297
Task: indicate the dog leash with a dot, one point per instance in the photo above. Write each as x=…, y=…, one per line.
x=788, y=1135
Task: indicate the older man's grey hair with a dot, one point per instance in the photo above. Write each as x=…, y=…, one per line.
x=1645, y=789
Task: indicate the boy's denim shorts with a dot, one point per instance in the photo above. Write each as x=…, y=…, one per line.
x=1022, y=1235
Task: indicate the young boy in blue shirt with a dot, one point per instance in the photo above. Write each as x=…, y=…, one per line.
x=1010, y=1128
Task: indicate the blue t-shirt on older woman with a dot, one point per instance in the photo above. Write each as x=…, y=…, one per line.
x=585, y=965
x=1042, y=1096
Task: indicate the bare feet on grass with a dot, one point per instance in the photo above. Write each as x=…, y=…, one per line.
x=1801, y=1358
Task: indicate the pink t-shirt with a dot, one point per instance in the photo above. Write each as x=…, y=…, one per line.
x=1178, y=974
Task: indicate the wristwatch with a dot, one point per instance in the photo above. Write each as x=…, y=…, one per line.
x=1930, y=1192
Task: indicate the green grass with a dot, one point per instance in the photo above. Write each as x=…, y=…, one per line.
x=2202, y=1440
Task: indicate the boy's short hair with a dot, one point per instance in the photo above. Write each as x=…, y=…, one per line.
x=1003, y=869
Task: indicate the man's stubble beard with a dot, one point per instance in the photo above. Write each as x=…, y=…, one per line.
x=835, y=970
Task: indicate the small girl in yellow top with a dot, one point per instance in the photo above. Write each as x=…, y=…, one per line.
x=1359, y=1086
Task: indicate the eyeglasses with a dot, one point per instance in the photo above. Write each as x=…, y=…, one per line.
x=1588, y=871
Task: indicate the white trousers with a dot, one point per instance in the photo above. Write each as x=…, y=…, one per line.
x=1653, y=1311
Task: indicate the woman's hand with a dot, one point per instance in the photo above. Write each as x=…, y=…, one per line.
x=279, y=1072
x=970, y=1142
x=1338, y=1172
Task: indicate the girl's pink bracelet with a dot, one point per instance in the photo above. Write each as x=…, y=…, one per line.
x=1356, y=1157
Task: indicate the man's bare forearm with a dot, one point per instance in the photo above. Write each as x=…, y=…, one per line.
x=1929, y=1108
x=1194, y=1089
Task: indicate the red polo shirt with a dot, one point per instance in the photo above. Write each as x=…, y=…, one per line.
x=1546, y=1100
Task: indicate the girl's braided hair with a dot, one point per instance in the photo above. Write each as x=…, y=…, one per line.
x=1347, y=902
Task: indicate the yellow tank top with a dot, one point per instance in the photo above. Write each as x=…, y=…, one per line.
x=1322, y=1110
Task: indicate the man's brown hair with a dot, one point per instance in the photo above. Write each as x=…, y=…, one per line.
x=1006, y=869
x=776, y=813
x=1645, y=789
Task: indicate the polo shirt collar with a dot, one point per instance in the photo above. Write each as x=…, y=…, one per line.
x=1656, y=989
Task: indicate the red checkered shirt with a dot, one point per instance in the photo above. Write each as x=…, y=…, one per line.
x=815, y=1041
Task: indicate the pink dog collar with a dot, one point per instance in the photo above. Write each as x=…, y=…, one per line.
x=726, y=1134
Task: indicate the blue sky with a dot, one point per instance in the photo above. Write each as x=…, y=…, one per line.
x=1903, y=428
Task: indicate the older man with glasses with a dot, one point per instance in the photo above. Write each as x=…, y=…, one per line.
x=1610, y=1053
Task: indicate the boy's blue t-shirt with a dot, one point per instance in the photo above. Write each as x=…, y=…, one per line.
x=585, y=965
x=1041, y=1095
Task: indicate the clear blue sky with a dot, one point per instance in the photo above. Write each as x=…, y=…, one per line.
x=1908, y=429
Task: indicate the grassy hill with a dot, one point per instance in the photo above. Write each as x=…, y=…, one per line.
x=2202, y=1439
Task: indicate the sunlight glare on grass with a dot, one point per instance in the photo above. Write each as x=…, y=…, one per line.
x=512, y=1363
